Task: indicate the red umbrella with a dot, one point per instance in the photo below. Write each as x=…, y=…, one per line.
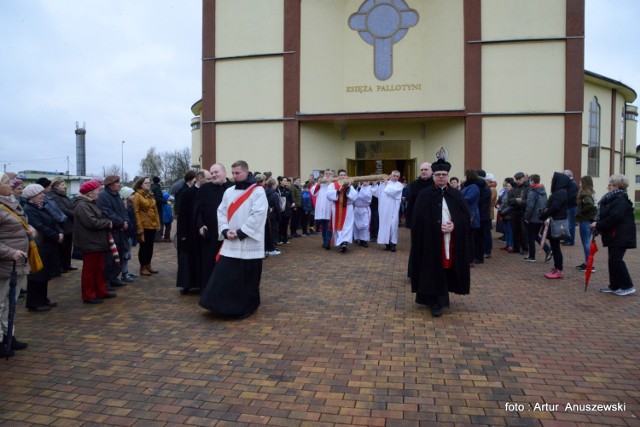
x=593, y=248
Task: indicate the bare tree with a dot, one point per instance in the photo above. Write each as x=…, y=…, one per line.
x=169, y=166
x=152, y=165
x=114, y=170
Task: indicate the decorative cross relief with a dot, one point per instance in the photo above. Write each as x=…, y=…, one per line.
x=382, y=23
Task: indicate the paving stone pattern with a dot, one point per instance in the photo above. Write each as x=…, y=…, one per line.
x=338, y=340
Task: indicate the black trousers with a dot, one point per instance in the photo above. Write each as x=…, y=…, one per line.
x=37, y=293
x=619, y=277
x=65, y=251
x=295, y=220
x=519, y=232
x=145, y=253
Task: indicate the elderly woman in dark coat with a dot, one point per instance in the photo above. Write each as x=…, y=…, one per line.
x=14, y=247
x=90, y=237
x=59, y=195
x=49, y=237
x=617, y=226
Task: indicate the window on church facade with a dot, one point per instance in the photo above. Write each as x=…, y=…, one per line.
x=593, y=157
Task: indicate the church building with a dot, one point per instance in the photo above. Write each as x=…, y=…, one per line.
x=296, y=86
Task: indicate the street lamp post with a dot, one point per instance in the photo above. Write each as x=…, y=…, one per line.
x=122, y=161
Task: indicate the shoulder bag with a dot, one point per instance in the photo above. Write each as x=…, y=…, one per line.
x=559, y=229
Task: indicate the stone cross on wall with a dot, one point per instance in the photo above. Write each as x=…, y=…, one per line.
x=382, y=23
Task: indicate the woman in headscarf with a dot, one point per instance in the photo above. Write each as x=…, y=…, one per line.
x=14, y=247
x=147, y=223
x=48, y=240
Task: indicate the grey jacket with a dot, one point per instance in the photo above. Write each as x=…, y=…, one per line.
x=536, y=202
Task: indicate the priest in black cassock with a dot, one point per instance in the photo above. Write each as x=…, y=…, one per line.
x=424, y=180
x=439, y=242
x=207, y=202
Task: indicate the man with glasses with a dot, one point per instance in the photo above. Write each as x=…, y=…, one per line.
x=440, y=242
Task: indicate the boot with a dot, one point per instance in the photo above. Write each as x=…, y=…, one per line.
x=15, y=344
x=151, y=270
x=144, y=271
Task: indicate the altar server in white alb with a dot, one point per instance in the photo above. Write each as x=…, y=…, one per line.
x=389, y=194
x=362, y=215
x=323, y=207
x=234, y=286
x=342, y=197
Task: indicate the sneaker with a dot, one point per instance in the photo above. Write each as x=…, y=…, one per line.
x=132, y=276
x=528, y=259
x=274, y=252
x=607, y=290
x=582, y=268
x=554, y=274
x=548, y=256
x=624, y=292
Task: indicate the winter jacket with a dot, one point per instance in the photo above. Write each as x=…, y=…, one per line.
x=90, y=227
x=53, y=209
x=66, y=206
x=13, y=237
x=557, y=203
x=273, y=199
x=587, y=210
x=536, y=202
x=484, y=202
x=307, y=206
x=471, y=194
x=296, y=195
x=49, y=231
x=572, y=194
x=616, y=223
x=146, y=211
x=286, y=194
x=518, y=192
x=112, y=205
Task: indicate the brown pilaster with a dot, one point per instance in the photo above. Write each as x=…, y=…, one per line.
x=473, y=84
x=574, y=80
x=612, y=134
x=208, y=114
x=291, y=101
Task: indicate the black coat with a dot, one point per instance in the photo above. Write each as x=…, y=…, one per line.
x=414, y=189
x=557, y=203
x=47, y=240
x=484, y=203
x=616, y=223
x=427, y=275
x=66, y=206
x=207, y=200
x=572, y=194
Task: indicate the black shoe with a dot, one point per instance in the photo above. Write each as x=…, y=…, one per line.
x=343, y=247
x=117, y=283
x=109, y=288
x=125, y=279
x=365, y=245
x=15, y=344
x=184, y=291
x=436, y=311
x=52, y=304
x=71, y=268
x=387, y=247
x=40, y=309
x=393, y=247
x=328, y=247
x=109, y=295
x=93, y=301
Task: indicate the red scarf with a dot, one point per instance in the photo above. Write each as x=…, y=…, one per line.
x=341, y=208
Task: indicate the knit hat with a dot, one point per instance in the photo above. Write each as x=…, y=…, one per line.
x=15, y=183
x=44, y=182
x=111, y=179
x=32, y=190
x=126, y=192
x=88, y=187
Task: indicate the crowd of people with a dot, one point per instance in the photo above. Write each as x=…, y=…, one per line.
x=226, y=227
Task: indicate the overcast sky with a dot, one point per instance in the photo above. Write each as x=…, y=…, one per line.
x=131, y=69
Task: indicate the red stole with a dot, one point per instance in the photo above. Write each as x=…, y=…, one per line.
x=233, y=207
x=341, y=208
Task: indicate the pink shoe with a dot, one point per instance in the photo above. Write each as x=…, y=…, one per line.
x=554, y=274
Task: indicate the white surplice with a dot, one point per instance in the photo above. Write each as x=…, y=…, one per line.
x=389, y=197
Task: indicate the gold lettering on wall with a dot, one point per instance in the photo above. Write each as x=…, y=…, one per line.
x=384, y=88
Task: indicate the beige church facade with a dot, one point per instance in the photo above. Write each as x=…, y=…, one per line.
x=294, y=86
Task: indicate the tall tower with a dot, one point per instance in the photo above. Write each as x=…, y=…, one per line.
x=81, y=158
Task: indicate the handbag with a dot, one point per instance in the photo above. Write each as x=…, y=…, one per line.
x=559, y=229
x=35, y=262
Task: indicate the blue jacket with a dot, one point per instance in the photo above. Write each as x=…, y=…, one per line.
x=471, y=194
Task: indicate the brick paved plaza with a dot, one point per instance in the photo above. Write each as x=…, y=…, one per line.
x=337, y=340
